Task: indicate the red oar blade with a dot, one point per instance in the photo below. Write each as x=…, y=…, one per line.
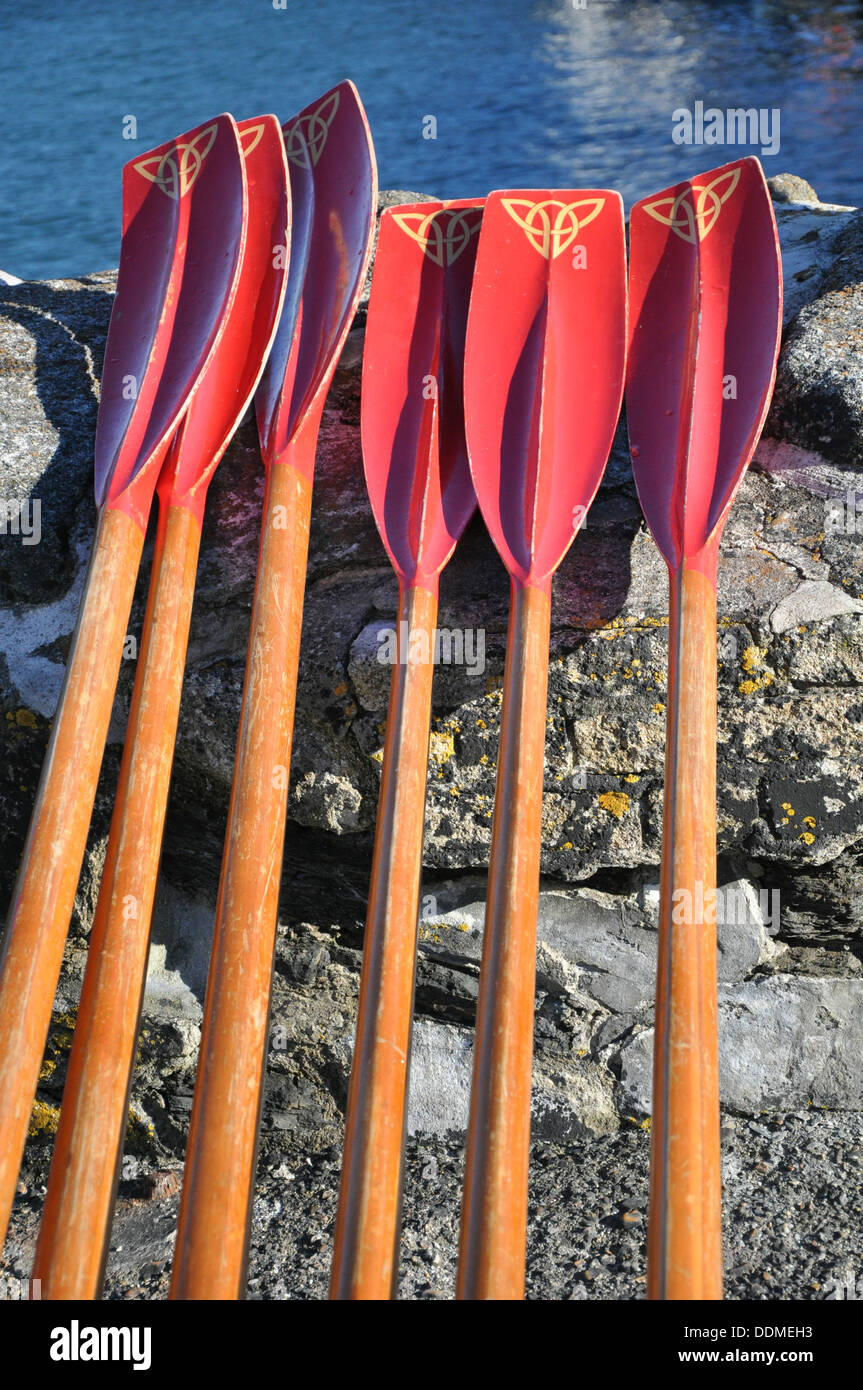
x=184, y=212
x=414, y=447
x=706, y=297
x=546, y=345
x=234, y=369
x=280, y=366
x=331, y=141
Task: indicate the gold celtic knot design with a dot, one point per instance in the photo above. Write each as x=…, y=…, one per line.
x=552, y=226
x=250, y=138
x=306, y=137
x=176, y=170
x=442, y=234
x=689, y=220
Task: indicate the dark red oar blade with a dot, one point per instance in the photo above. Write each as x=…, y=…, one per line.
x=331, y=142
x=544, y=355
x=414, y=449
x=249, y=329
x=75, y=1225
x=183, y=220
x=546, y=344
x=148, y=379
x=422, y=496
x=280, y=367
x=706, y=294
x=706, y=312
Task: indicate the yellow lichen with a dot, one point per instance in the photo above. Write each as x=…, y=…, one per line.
x=809, y=821
x=807, y=837
x=752, y=658
x=441, y=747
x=138, y=1130
x=749, y=687
x=615, y=803
x=25, y=719
x=44, y=1119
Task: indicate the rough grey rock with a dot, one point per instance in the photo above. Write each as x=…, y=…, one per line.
x=599, y=945
x=792, y=1218
x=784, y=1043
x=809, y=233
x=441, y=1066
x=51, y=345
x=788, y=188
x=812, y=602
x=568, y=1098
x=818, y=403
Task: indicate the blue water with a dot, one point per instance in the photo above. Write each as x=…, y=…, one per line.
x=543, y=94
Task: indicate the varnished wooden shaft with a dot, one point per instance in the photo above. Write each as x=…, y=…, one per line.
x=494, y=1216
x=212, y=1234
x=685, y=1232
x=76, y=1220
x=45, y=892
x=365, y=1264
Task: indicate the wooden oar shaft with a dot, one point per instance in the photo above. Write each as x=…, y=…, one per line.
x=45, y=892
x=494, y=1217
x=212, y=1232
x=365, y=1263
x=685, y=1234
x=75, y=1226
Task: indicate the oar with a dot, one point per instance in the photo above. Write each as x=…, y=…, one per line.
x=328, y=145
x=544, y=369
x=183, y=207
x=706, y=294
x=422, y=497
x=72, y=1244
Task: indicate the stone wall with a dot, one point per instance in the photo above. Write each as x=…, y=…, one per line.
x=790, y=743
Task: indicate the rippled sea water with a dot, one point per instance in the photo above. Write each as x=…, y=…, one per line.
x=548, y=94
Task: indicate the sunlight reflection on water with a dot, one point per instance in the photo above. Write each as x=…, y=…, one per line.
x=543, y=94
